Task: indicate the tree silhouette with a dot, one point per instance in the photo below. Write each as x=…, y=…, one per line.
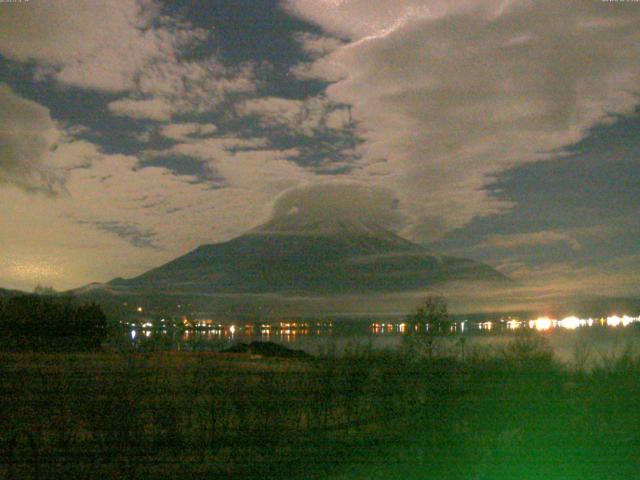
x=430, y=321
x=37, y=322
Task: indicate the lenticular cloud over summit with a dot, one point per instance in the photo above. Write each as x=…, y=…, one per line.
x=348, y=202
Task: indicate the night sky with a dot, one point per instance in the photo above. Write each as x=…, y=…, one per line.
x=507, y=131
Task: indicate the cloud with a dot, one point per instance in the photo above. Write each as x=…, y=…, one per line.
x=273, y=109
x=247, y=164
x=117, y=209
x=312, y=117
x=36, y=153
x=562, y=280
x=152, y=109
x=185, y=131
x=533, y=239
x=172, y=86
x=446, y=95
x=134, y=235
x=299, y=117
x=98, y=45
x=315, y=45
x=210, y=149
x=198, y=84
x=118, y=218
x=121, y=46
x=340, y=200
x=137, y=203
x=27, y=138
x=118, y=195
x=338, y=119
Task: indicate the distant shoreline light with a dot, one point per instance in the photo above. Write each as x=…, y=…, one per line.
x=540, y=324
x=294, y=328
x=571, y=322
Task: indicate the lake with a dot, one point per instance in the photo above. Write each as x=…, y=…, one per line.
x=597, y=338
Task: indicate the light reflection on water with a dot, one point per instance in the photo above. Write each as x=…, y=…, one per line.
x=606, y=334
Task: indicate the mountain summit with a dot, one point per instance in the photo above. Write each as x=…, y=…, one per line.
x=296, y=254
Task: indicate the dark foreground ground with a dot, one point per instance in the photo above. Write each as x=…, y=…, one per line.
x=513, y=414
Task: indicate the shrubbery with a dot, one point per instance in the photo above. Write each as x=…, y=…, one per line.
x=50, y=323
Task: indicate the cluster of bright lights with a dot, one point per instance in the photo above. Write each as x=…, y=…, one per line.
x=540, y=324
x=389, y=327
x=625, y=320
x=572, y=322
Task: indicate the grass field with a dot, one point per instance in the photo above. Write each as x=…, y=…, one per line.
x=515, y=414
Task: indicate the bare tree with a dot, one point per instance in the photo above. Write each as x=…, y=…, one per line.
x=430, y=321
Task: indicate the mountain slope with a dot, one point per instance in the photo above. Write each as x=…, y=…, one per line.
x=297, y=255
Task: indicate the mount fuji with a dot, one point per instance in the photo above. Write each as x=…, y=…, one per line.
x=297, y=254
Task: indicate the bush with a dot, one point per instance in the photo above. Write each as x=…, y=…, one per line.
x=35, y=322
x=528, y=350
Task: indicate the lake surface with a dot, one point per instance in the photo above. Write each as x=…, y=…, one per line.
x=570, y=337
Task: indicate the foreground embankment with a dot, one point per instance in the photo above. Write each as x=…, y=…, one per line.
x=513, y=414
